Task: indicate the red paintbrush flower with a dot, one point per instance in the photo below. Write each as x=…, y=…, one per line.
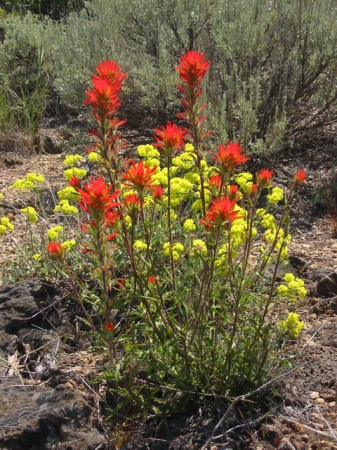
x=111, y=71
x=112, y=218
x=55, y=249
x=220, y=212
x=139, y=176
x=109, y=326
x=263, y=178
x=170, y=138
x=132, y=199
x=151, y=279
x=233, y=190
x=215, y=181
x=192, y=68
x=230, y=156
x=103, y=97
x=299, y=177
x=158, y=193
x=96, y=197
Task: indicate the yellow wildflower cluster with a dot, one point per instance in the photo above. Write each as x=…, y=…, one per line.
x=150, y=155
x=68, y=193
x=31, y=214
x=69, y=245
x=5, y=225
x=79, y=173
x=180, y=189
x=66, y=208
x=128, y=221
x=275, y=196
x=189, y=225
x=1, y=196
x=176, y=250
x=184, y=161
x=294, y=288
x=140, y=245
x=53, y=233
x=95, y=157
x=37, y=257
x=192, y=177
x=71, y=160
x=244, y=180
x=198, y=246
x=29, y=182
x=291, y=325
x=189, y=147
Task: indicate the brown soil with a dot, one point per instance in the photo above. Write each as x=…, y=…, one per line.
x=306, y=415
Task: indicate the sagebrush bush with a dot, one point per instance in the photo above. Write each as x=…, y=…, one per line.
x=272, y=63
x=169, y=255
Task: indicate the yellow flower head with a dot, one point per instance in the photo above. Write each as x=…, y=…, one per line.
x=69, y=245
x=31, y=214
x=71, y=160
x=291, y=325
x=199, y=246
x=79, y=173
x=140, y=245
x=189, y=225
x=53, y=233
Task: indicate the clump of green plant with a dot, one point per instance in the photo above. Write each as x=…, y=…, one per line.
x=177, y=253
x=24, y=79
x=272, y=65
x=178, y=247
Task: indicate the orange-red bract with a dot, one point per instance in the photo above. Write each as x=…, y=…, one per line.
x=158, y=193
x=109, y=326
x=192, y=68
x=139, y=176
x=96, y=196
x=55, y=249
x=112, y=72
x=170, y=138
x=264, y=178
x=102, y=97
x=230, y=156
x=299, y=177
x=220, y=212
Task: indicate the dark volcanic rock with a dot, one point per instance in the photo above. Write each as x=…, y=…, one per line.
x=34, y=417
x=326, y=285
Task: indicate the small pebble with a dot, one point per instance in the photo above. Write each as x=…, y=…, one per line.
x=314, y=395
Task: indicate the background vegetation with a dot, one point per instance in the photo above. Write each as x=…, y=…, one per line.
x=273, y=62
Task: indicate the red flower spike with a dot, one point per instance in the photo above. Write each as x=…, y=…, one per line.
x=230, y=156
x=215, y=181
x=132, y=199
x=75, y=182
x=112, y=236
x=109, y=326
x=220, y=212
x=264, y=178
x=192, y=68
x=151, y=279
x=112, y=72
x=55, y=249
x=139, y=176
x=103, y=97
x=111, y=218
x=96, y=196
x=170, y=138
x=158, y=193
x=299, y=177
x=233, y=190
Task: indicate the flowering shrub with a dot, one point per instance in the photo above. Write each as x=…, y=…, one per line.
x=178, y=252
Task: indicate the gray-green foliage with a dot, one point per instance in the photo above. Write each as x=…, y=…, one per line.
x=23, y=74
x=273, y=62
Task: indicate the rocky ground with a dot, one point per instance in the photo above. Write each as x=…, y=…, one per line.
x=48, y=398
